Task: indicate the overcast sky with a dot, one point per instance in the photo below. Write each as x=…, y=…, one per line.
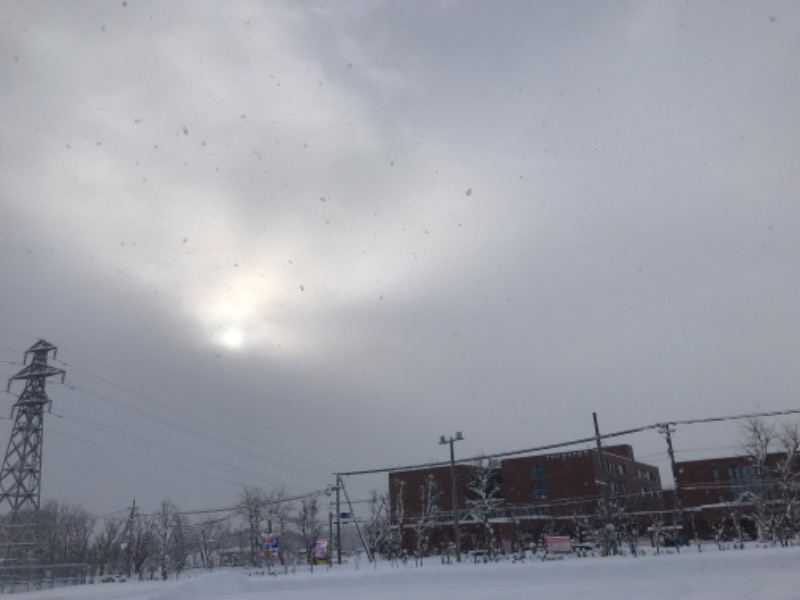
x=274, y=241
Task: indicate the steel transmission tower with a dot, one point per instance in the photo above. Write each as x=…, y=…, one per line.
x=21, y=474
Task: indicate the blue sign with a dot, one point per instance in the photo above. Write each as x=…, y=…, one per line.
x=271, y=542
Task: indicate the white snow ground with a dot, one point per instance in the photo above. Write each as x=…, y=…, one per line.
x=766, y=574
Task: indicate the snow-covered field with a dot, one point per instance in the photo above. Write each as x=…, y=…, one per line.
x=766, y=574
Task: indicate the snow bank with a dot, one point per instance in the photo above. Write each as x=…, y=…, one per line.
x=732, y=575
x=211, y=585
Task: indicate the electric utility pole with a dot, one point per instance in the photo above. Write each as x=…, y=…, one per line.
x=602, y=471
x=456, y=531
x=666, y=429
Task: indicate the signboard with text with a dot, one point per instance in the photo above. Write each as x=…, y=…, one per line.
x=558, y=544
x=321, y=549
x=271, y=545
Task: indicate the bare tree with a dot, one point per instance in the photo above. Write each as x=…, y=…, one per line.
x=486, y=496
x=64, y=533
x=757, y=487
x=656, y=527
x=720, y=527
x=180, y=542
x=278, y=514
x=787, y=482
x=423, y=526
x=377, y=526
x=143, y=546
x=398, y=519
x=251, y=506
x=171, y=539
x=108, y=544
x=207, y=537
x=307, y=522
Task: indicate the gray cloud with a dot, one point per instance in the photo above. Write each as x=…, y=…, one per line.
x=340, y=231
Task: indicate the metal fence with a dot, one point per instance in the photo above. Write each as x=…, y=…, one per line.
x=23, y=578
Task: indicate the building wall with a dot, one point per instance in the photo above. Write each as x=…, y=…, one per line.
x=720, y=480
x=411, y=483
x=570, y=482
x=535, y=489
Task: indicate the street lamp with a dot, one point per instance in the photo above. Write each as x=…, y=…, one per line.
x=443, y=440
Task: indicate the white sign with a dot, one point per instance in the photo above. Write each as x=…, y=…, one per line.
x=558, y=544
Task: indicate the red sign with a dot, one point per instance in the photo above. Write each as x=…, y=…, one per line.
x=558, y=544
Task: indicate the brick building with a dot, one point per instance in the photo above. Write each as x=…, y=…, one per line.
x=721, y=480
x=716, y=491
x=529, y=494
x=570, y=483
x=426, y=495
x=409, y=489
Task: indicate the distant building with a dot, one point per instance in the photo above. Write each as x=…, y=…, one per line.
x=569, y=483
x=717, y=494
x=407, y=489
x=722, y=480
x=530, y=494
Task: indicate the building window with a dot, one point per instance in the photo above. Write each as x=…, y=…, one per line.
x=612, y=467
x=537, y=471
x=618, y=488
x=540, y=492
x=715, y=475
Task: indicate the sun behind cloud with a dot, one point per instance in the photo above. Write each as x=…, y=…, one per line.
x=232, y=338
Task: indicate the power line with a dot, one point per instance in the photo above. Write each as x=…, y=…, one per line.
x=574, y=442
x=194, y=418
x=775, y=413
x=140, y=457
x=237, y=507
x=189, y=431
x=500, y=454
x=168, y=449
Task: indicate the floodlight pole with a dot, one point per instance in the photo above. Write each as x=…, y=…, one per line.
x=457, y=533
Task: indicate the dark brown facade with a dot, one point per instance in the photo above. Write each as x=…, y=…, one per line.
x=571, y=482
x=533, y=493
x=717, y=493
x=722, y=480
x=411, y=488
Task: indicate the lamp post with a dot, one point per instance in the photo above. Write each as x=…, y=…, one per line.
x=443, y=440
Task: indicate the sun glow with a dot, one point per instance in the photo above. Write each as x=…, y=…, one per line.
x=232, y=338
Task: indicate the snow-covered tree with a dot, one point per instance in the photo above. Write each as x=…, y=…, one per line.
x=251, y=506
x=172, y=540
x=787, y=482
x=108, y=544
x=719, y=527
x=398, y=519
x=306, y=520
x=757, y=440
x=656, y=527
x=377, y=526
x=143, y=549
x=485, y=497
x=423, y=525
x=64, y=533
x=278, y=515
x=207, y=537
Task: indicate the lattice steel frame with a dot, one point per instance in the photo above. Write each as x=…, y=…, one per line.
x=21, y=473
